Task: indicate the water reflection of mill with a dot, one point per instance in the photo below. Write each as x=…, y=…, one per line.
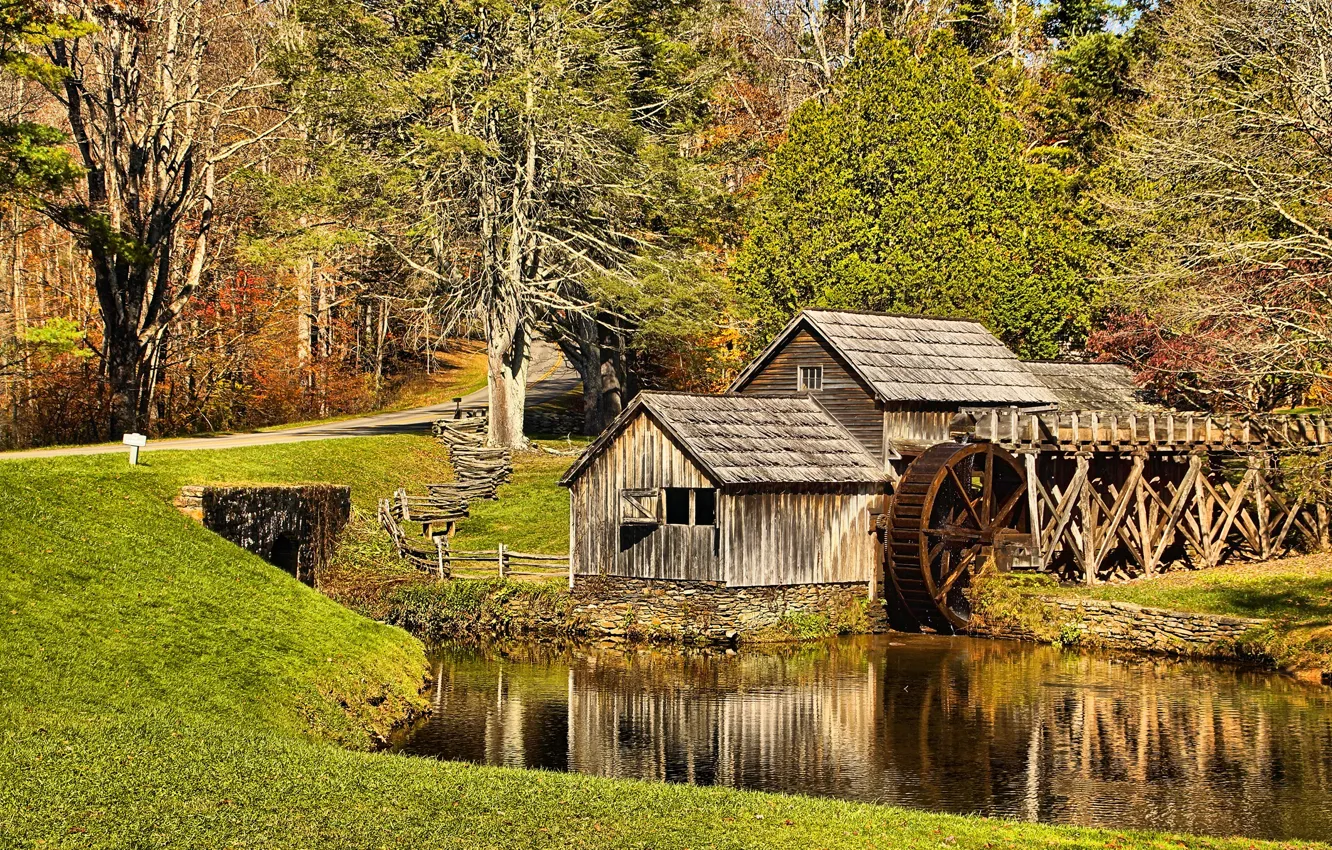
x=943, y=724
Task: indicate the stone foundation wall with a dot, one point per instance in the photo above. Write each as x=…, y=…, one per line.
x=293, y=527
x=698, y=610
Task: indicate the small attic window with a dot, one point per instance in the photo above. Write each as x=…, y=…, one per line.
x=809, y=378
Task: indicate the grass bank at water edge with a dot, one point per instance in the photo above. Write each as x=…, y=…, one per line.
x=161, y=688
x=1293, y=594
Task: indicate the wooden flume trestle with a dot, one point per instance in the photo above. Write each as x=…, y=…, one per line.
x=1094, y=495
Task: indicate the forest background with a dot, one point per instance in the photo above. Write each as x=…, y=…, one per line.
x=223, y=214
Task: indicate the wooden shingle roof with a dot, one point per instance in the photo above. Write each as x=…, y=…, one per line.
x=913, y=358
x=1089, y=386
x=747, y=439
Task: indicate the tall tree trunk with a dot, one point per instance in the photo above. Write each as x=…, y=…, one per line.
x=120, y=289
x=509, y=350
x=304, y=272
x=595, y=348
x=613, y=378
x=10, y=362
x=577, y=335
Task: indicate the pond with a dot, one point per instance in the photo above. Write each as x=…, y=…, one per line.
x=946, y=724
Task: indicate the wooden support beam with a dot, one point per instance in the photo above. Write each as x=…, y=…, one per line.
x=1111, y=531
x=1087, y=553
x=1143, y=543
x=1034, y=506
x=1062, y=513
x=1176, y=509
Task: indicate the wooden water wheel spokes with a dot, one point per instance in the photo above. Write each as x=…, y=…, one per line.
x=947, y=509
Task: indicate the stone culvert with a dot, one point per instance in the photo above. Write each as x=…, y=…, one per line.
x=294, y=527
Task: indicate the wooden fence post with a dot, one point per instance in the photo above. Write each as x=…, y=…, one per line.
x=503, y=568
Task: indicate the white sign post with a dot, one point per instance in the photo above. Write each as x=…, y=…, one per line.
x=135, y=442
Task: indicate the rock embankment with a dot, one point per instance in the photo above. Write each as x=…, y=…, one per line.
x=1125, y=625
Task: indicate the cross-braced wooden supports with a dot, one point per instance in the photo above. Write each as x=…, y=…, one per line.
x=1101, y=514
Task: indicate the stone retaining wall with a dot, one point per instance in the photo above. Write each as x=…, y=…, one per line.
x=1124, y=625
x=543, y=420
x=694, y=610
x=294, y=527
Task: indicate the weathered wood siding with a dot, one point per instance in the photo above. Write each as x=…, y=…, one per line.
x=843, y=394
x=642, y=456
x=797, y=538
x=913, y=425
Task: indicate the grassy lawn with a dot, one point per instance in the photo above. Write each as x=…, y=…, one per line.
x=532, y=514
x=1299, y=588
x=162, y=688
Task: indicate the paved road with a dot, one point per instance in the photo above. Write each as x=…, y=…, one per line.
x=549, y=376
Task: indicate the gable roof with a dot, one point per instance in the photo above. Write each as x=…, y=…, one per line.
x=913, y=358
x=749, y=439
x=1089, y=386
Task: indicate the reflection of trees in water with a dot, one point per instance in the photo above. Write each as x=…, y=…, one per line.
x=496, y=710
x=956, y=725
x=1033, y=733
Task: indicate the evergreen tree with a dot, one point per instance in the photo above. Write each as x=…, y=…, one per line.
x=908, y=191
x=33, y=158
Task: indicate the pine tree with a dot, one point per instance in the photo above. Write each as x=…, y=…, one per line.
x=908, y=191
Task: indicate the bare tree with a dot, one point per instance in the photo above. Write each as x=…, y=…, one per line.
x=159, y=100
x=1230, y=201
x=528, y=137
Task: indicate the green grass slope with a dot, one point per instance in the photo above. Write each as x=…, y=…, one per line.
x=531, y=515
x=161, y=688
x=1289, y=586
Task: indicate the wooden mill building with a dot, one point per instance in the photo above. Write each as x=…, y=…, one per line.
x=895, y=382
x=741, y=490
x=780, y=480
x=860, y=447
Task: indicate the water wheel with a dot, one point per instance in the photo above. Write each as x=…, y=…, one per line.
x=946, y=511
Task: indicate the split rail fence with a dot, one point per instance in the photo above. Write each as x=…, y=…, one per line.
x=479, y=472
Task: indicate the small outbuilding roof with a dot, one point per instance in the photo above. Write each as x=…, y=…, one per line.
x=749, y=439
x=1088, y=386
x=914, y=358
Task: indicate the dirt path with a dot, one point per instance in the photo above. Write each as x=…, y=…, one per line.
x=550, y=376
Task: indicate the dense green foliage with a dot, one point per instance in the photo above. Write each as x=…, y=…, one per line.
x=161, y=688
x=34, y=160
x=908, y=191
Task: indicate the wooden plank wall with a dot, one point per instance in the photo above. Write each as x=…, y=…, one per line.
x=642, y=456
x=843, y=394
x=916, y=425
x=798, y=538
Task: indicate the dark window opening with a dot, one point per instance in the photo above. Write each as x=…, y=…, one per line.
x=705, y=507
x=677, y=506
x=633, y=534
x=810, y=378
